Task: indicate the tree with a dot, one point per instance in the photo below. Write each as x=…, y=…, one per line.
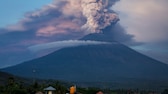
x=13, y=87
x=60, y=89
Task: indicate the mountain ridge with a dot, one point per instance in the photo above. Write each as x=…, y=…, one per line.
x=108, y=62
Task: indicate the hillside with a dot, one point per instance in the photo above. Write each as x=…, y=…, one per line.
x=4, y=77
x=92, y=63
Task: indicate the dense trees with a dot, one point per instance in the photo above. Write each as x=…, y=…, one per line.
x=18, y=87
x=13, y=87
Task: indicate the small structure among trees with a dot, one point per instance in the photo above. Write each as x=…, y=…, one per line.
x=49, y=90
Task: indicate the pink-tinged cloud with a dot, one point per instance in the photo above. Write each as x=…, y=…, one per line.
x=72, y=8
x=63, y=27
x=66, y=16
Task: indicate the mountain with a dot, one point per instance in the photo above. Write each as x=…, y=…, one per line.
x=113, y=62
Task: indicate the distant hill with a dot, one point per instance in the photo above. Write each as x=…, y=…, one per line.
x=4, y=77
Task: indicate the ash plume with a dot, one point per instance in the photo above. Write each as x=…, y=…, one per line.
x=98, y=14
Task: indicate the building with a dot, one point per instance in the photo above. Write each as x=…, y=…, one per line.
x=49, y=90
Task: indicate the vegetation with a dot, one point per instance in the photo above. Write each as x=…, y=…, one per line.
x=15, y=87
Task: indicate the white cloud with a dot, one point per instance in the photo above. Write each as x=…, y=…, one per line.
x=63, y=44
x=146, y=19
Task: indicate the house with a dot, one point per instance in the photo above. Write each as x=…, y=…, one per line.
x=49, y=90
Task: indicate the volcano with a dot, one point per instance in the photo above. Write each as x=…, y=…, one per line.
x=113, y=63
x=93, y=63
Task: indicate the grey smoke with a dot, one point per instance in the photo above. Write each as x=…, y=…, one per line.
x=98, y=14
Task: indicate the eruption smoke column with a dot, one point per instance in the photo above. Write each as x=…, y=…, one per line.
x=98, y=15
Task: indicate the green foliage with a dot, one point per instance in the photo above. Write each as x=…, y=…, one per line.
x=60, y=89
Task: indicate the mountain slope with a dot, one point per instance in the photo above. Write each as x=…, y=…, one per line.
x=93, y=63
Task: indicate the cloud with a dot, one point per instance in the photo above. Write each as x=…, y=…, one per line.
x=19, y=26
x=145, y=19
x=54, y=23
x=62, y=28
x=48, y=21
x=63, y=44
x=68, y=17
x=98, y=15
x=113, y=33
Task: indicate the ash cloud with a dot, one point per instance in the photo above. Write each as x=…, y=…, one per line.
x=67, y=19
x=98, y=14
x=64, y=17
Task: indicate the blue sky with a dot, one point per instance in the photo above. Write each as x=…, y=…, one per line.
x=13, y=10
x=27, y=23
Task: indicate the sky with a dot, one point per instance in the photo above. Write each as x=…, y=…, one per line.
x=25, y=25
x=13, y=11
